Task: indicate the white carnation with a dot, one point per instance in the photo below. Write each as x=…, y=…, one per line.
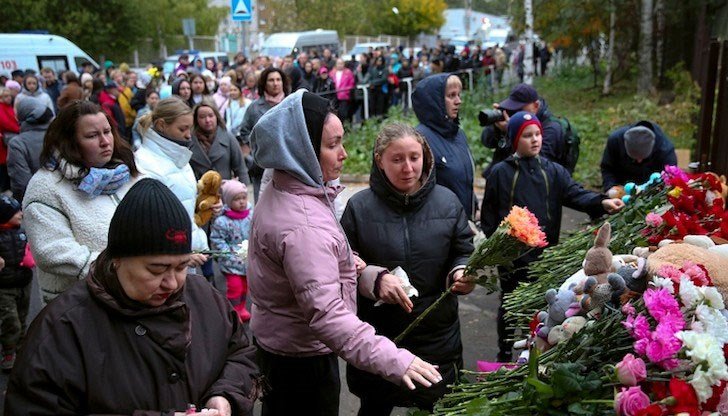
x=702, y=384
x=689, y=293
x=712, y=322
x=662, y=282
x=712, y=297
x=706, y=353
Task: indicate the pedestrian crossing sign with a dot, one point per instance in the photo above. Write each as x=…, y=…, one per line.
x=242, y=10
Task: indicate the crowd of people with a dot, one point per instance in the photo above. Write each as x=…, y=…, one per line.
x=101, y=180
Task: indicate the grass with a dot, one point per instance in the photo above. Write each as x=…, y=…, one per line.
x=570, y=93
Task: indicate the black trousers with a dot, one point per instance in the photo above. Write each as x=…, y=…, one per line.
x=300, y=385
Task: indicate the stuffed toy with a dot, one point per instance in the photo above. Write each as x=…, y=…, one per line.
x=601, y=285
x=208, y=195
x=566, y=330
x=631, y=189
x=634, y=275
x=617, y=191
x=714, y=259
x=559, y=303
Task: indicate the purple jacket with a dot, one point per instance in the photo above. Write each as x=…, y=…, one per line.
x=303, y=280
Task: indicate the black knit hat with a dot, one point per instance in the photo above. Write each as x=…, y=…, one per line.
x=149, y=220
x=8, y=207
x=315, y=110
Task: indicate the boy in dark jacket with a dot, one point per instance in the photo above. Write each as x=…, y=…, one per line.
x=528, y=180
x=15, y=277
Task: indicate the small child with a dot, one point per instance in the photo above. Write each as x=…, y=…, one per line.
x=228, y=231
x=15, y=279
x=544, y=187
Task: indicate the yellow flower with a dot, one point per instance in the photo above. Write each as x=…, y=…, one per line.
x=675, y=192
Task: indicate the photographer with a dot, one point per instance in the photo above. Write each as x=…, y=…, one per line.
x=523, y=97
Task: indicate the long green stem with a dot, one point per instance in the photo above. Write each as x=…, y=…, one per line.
x=424, y=314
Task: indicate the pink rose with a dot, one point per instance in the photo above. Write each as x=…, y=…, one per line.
x=631, y=370
x=630, y=401
x=628, y=309
x=653, y=220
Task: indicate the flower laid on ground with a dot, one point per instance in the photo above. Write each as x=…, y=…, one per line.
x=518, y=233
x=631, y=400
x=694, y=208
x=631, y=370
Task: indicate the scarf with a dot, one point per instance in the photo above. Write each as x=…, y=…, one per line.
x=184, y=143
x=273, y=100
x=237, y=215
x=104, y=181
x=206, y=139
x=98, y=181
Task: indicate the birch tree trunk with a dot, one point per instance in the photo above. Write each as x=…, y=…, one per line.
x=660, y=37
x=644, y=82
x=528, y=53
x=607, y=88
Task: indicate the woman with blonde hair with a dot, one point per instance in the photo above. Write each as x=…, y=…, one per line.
x=236, y=110
x=164, y=155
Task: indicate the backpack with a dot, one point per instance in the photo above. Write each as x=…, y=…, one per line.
x=570, y=154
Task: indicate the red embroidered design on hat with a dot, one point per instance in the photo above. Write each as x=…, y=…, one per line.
x=176, y=236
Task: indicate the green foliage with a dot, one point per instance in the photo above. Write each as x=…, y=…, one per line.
x=413, y=17
x=114, y=27
x=360, y=139
x=569, y=93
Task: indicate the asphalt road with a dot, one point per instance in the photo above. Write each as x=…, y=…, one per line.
x=477, y=320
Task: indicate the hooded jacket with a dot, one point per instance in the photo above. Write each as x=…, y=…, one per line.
x=301, y=271
x=161, y=359
x=453, y=161
x=618, y=168
x=552, y=145
x=427, y=234
x=168, y=162
x=38, y=94
x=24, y=150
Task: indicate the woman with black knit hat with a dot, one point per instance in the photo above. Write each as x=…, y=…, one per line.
x=167, y=338
x=302, y=272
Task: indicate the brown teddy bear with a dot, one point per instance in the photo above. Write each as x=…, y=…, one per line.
x=208, y=195
x=602, y=284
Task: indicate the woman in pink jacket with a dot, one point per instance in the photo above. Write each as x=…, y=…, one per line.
x=345, y=85
x=302, y=273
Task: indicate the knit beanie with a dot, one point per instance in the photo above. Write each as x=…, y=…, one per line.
x=315, y=110
x=86, y=77
x=8, y=207
x=149, y=220
x=639, y=141
x=13, y=85
x=231, y=188
x=518, y=122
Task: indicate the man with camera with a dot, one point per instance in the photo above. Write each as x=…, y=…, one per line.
x=523, y=97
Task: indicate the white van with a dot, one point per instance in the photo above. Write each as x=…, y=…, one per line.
x=361, y=48
x=26, y=51
x=292, y=43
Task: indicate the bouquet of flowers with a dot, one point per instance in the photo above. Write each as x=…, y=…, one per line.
x=694, y=207
x=517, y=234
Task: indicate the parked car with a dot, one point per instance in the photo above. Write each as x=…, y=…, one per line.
x=293, y=43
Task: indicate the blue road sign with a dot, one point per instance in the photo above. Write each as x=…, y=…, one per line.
x=242, y=10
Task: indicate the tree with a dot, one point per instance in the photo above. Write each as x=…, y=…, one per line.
x=528, y=55
x=498, y=8
x=644, y=80
x=407, y=17
x=610, y=52
x=113, y=27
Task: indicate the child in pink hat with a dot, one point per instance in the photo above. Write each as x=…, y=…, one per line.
x=228, y=232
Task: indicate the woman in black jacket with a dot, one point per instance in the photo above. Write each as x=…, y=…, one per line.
x=139, y=335
x=406, y=220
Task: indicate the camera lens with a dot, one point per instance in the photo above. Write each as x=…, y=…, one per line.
x=488, y=117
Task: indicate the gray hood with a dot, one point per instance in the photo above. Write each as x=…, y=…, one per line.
x=32, y=111
x=280, y=141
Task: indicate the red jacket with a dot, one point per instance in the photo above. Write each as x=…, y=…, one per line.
x=346, y=84
x=8, y=124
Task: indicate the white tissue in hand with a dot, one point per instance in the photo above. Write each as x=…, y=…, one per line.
x=405, y=282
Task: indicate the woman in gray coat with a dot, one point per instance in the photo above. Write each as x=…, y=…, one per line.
x=213, y=147
x=24, y=149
